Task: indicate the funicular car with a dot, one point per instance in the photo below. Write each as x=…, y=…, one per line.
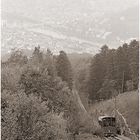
x=108, y=125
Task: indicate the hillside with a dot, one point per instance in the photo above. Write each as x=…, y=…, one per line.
x=127, y=104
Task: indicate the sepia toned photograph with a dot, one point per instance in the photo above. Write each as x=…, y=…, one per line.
x=69, y=69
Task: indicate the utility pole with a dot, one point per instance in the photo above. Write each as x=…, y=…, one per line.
x=116, y=104
x=123, y=82
x=115, y=107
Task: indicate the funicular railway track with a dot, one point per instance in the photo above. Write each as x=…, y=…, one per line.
x=117, y=138
x=113, y=138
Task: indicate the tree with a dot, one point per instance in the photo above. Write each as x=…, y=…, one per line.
x=97, y=73
x=36, y=103
x=134, y=62
x=17, y=57
x=64, y=69
x=37, y=56
x=49, y=63
x=122, y=71
x=94, y=82
x=108, y=89
x=10, y=76
x=120, y=66
x=110, y=72
x=38, y=82
x=27, y=117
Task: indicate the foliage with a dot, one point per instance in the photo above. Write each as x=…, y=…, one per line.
x=64, y=69
x=17, y=57
x=36, y=103
x=108, y=89
x=46, y=87
x=120, y=66
x=27, y=117
x=39, y=94
x=10, y=77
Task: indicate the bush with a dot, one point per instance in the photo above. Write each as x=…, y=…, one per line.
x=26, y=117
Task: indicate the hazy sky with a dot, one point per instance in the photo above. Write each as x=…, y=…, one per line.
x=100, y=21
x=66, y=9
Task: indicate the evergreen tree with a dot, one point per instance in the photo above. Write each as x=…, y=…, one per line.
x=97, y=73
x=64, y=69
x=37, y=56
x=94, y=82
x=113, y=70
x=110, y=72
x=49, y=63
x=122, y=67
x=17, y=57
x=134, y=62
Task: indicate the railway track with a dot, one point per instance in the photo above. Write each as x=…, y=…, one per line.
x=113, y=138
x=116, y=138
